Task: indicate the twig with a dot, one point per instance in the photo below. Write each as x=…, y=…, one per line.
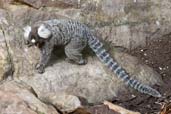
x=119, y=109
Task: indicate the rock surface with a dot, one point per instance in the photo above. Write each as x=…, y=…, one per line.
x=85, y=81
x=18, y=99
x=126, y=23
x=6, y=65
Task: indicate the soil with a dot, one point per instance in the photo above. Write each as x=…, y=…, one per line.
x=156, y=54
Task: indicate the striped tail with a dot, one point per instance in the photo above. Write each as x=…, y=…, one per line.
x=102, y=54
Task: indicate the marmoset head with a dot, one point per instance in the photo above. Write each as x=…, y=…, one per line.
x=36, y=35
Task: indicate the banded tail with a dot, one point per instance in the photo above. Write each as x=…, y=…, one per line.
x=105, y=57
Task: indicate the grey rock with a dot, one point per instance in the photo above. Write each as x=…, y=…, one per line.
x=92, y=82
x=18, y=99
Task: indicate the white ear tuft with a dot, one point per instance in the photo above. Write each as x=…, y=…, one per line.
x=27, y=31
x=43, y=32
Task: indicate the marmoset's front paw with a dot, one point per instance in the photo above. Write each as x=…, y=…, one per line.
x=82, y=62
x=40, y=68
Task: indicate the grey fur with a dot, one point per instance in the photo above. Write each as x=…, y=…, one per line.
x=75, y=36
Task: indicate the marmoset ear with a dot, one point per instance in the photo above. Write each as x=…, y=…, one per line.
x=43, y=32
x=27, y=31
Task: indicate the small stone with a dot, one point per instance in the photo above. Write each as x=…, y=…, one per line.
x=160, y=68
x=158, y=23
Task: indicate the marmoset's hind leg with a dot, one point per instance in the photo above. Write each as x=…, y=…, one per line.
x=73, y=51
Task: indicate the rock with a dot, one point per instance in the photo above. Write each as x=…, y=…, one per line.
x=33, y=3
x=5, y=2
x=50, y=3
x=6, y=63
x=92, y=82
x=128, y=24
x=123, y=23
x=17, y=98
x=62, y=101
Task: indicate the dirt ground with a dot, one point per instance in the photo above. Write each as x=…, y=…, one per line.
x=156, y=54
